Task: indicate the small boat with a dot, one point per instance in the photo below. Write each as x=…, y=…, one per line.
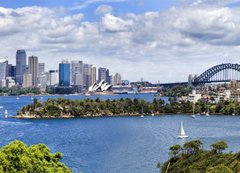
x=17, y=98
x=1, y=107
x=182, y=132
x=193, y=115
x=234, y=110
x=142, y=116
x=153, y=114
x=207, y=114
x=6, y=113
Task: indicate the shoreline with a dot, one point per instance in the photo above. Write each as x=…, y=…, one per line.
x=110, y=116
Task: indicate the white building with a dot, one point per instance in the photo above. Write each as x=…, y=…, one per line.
x=27, y=80
x=3, y=69
x=3, y=83
x=53, y=77
x=10, y=82
x=116, y=79
x=194, y=97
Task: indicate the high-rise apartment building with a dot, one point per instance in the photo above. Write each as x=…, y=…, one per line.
x=33, y=69
x=20, y=65
x=77, y=73
x=3, y=69
x=64, y=73
x=103, y=74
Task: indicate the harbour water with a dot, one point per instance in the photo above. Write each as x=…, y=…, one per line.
x=115, y=144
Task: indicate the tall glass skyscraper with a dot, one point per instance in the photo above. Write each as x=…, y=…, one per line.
x=20, y=65
x=64, y=73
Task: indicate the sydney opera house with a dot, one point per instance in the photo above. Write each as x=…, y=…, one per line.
x=101, y=86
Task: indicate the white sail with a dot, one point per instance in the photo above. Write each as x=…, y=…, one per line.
x=6, y=112
x=182, y=132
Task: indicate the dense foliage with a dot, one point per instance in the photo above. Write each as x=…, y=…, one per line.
x=18, y=158
x=88, y=108
x=192, y=158
x=19, y=91
x=176, y=91
x=84, y=108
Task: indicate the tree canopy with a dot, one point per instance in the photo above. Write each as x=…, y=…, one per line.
x=16, y=157
x=193, y=158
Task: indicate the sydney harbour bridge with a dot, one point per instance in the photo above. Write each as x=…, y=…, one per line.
x=218, y=73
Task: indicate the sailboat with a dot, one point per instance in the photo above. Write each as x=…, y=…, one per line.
x=207, y=113
x=234, y=110
x=142, y=113
x=182, y=132
x=193, y=116
x=6, y=113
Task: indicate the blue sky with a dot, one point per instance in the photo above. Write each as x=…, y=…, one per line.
x=159, y=40
x=120, y=7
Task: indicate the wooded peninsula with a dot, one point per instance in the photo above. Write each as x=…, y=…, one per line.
x=66, y=108
x=191, y=157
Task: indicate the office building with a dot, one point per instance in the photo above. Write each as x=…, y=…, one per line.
x=53, y=77
x=20, y=65
x=10, y=82
x=93, y=75
x=116, y=79
x=27, y=80
x=77, y=73
x=42, y=81
x=41, y=68
x=103, y=74
x=86, y=76
x=64, y=73
x=3, y=69
x=33, y=69
x=11, y=71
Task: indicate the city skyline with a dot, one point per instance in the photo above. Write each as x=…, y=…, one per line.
x=137, y=39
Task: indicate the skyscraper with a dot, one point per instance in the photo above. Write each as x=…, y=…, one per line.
x=3, y=69
x=77, y=73
x=103, y=74
x=11, y=71
x=53, y=77
x=41, y=68
x=33, y=69
x=20, y=65
x=116, y=79
x=64, y=73
x=93, y=75
x=86, y=76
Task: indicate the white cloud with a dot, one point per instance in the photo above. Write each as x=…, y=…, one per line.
x=103, y=9
x=163, y=46
x=86, y=3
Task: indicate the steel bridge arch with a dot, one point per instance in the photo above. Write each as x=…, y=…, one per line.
x=208, y=74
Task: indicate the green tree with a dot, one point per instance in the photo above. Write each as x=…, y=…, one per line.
x=17, y=157
x=219, y=146
x=192, y=147
x=219, y=169
x=175, y=150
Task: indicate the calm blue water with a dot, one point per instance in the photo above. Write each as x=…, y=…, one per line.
x=116, y=144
